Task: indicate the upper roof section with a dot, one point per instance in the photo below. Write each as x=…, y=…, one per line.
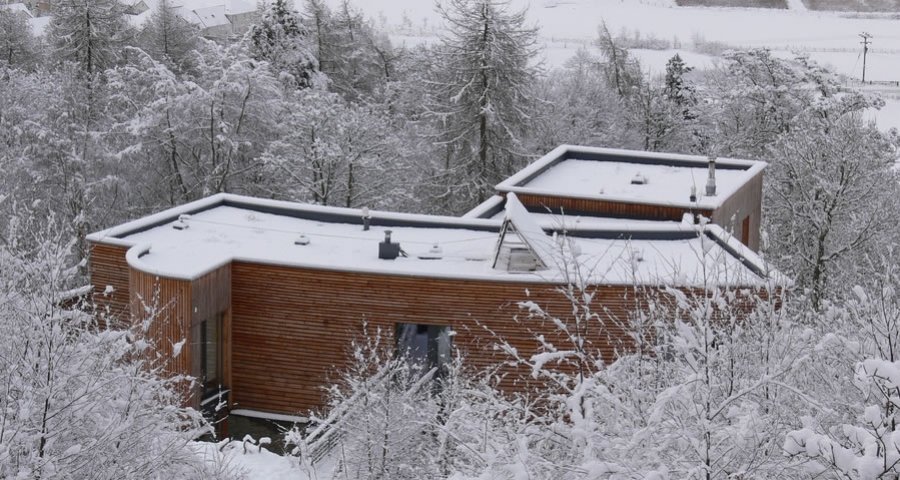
x=191, y=240
x=627, y=176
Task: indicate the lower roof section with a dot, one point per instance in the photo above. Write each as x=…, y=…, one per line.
x=224, y=228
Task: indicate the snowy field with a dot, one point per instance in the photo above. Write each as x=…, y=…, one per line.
x=567, y=25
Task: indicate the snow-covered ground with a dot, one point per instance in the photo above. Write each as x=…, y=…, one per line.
x=567, y=25
x=250, y=462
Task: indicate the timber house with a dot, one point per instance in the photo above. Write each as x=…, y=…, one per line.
x=258, y=299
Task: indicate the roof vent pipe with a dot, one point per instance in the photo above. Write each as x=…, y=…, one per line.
x=366, y=218
x=388, y=250
x=711, y=181
x=181, y=223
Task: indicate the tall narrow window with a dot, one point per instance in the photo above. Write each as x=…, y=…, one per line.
x=745, y=231
x=424, y=346
x=211, y=354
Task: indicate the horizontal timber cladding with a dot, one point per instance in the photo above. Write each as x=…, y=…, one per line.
x=581, y=206
x=211, y=295
x=292, y=327
x=167, y=302
x=109, y=280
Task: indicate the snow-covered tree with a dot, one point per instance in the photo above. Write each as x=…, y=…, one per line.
x=756, y=97
x=18, y=47
x=699, y=386
x=90, y=33
x=168, y=37
x=659, y=123
x=856, y=434
x=282, y=40
x=622, y=73
x=363, y=64
x=388, y=417
x=198, y=137
x=356, y=60
x=831, y=194
x=55, y=155
x=380, y=408
x=676, y=88
x=80, y=402
x=577, y=107
x=482, y=98
x=334, y=153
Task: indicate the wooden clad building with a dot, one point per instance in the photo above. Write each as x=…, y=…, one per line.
x=625, y=184
x=258, y=300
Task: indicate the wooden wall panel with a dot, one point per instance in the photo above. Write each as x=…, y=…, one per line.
x=577, y=206
x=168, y=302
x=108, y=268
x=211, y=295
x=746, y=201
x=291, y=327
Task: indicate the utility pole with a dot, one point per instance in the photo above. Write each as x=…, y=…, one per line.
x=865, y=43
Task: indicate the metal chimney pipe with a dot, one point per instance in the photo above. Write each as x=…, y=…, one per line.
x=711, y=181
x=388, y=250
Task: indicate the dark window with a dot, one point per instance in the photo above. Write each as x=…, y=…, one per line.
x=211, y=355
x=745, y=231
x=424, y=346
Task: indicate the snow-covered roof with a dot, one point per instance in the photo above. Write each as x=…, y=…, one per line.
x=19, y=8
x=230, y=6
x=213, y=16
x=39, y=25
x=225, y=228
x=611, y=174
x=140, y=19
x=204, y=13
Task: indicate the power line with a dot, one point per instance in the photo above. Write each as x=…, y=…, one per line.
x=865, y=43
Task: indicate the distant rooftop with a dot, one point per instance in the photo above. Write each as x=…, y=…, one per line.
x=19, y=8
x=212, y=16
x=225, y=228
x=631, y=177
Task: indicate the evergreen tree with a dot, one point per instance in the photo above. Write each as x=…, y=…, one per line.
x=355, y=59
x=168, y=37
x=363, y=55
x=18, y=47
x=482, y=95
x=281, y=39
x=621, y=72
x=90, y=33
x=676, y=90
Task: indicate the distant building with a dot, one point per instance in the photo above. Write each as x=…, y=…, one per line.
x=18, y=8
x=259, y=299
x=216, y=19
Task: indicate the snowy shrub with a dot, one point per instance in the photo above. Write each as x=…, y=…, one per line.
x=389, y=418
x=855, y=434
x=699, y=387
x=75, y=402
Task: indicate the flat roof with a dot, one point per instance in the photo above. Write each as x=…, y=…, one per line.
x=608, y=174
x=225, y=228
